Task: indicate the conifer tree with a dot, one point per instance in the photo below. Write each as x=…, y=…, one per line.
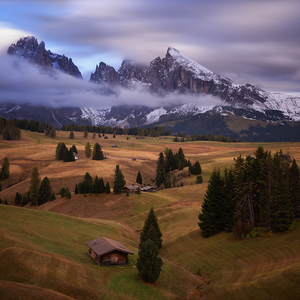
x=45, y=191
x=76, y=189
x=85, y=134
x=149, y=264
x=74, y=149
x=119, y=181
x=5, y=169
x=294, y=187
x=151, y=230
x=107, y=188
x=139, y=178
x=53, y=132
x=18, y=198
x=160, y=170
x=97, y=152
x=71, y=136
x=67, y=194
x=34, y=185
x=212, y=218
x=88, y=150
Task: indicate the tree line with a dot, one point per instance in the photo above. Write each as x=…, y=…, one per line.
x=259, y=191
x=182, y=137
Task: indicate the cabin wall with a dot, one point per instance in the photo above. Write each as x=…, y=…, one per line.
x=114, y=258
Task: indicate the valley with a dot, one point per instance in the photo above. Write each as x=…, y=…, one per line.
x=42, y=249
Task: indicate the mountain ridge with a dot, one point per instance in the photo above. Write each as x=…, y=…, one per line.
x=167, y=78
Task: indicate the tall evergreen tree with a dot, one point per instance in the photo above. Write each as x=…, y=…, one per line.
x=139, y=178
x=5, y=169
x=107, y=188
x=45, y=191
x=151, y=230
x=76, y=189
x=97, y=152
x=160, y=170
x=74, y=149
x=212, y=218
x=294, y=186
x=34, y=185
x=53, y=132
x=149, y=264
x=119, y=181
x=71, y=136
x=88, y=150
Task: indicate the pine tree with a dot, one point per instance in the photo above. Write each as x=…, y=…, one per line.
x=107, y=188
x=18, y=198
x=139, y=178
x=62, y=191
x=119, y=181
x=85, y=134
x=76, y=189
x=212, y=218
x=67, y=194
x=74, y=149
x=68, y=155
x=5, y=169
x=151, y=230
x=34, y=185
x=149, y=264
x=71, y=136
x=6, y=134
x=97, y=152
x=160, y=170
x=45, y=191
x=53, y=132
x=88, y=150
x=294, y=186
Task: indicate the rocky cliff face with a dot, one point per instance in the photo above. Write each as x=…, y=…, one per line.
x=29, y=48
x=176, y=73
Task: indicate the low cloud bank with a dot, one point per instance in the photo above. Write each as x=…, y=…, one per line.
x=22, y=82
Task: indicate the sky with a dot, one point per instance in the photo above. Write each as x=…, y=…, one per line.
x=248, y=41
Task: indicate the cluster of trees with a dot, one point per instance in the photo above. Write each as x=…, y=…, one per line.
x=62, y=152
x=169, y=161
x=88, y=185
x=182, y=137
x=27, y=125
x=150, y=131
x=149, y=264
x=257, y=191
x=39, y=192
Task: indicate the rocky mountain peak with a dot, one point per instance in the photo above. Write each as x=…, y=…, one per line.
x=29, y=48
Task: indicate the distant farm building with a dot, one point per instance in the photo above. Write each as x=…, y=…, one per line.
x=140, y=137
x=114, y=146
x=148, y=188
x=133, y=159
x=131, y=189
x=107, y=252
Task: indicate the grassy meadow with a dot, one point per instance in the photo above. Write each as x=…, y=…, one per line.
x=42, y=249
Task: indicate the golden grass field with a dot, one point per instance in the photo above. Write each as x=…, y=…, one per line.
x=42, y=249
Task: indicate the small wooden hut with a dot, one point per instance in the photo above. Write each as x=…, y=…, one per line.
x=107, y=252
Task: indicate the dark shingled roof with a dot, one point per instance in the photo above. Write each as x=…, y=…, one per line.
x=103, y=245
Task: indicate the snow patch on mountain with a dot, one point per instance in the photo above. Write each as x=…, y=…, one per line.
x=154, y=115
x=96, y=117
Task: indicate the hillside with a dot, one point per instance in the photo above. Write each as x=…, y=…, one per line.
x=43, y=252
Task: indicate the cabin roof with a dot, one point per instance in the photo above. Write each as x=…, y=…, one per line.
x=103, y=245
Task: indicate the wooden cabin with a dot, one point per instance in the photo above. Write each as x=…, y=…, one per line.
x=131, y=188
x=148, y=188
x=107, y=252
